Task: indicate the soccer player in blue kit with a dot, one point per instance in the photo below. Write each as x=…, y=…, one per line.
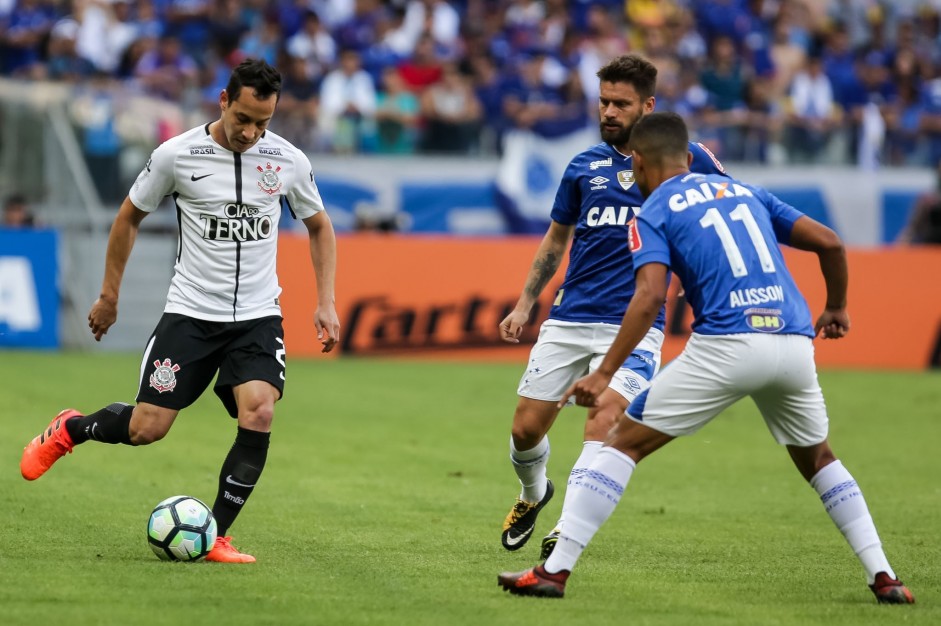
x=595, y=201
x=752, y=336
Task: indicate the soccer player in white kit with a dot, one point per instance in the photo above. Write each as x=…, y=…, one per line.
x=595, y=201
x=222, y=315
x=752, y=336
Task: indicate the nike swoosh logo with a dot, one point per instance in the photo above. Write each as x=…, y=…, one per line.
x=194, y=177
x=231, y=481
x=512, y=541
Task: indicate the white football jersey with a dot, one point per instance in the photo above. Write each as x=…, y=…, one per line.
x=228, y=206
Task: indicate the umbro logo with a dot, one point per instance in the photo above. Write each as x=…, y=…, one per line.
x=194, y=177
x=598, y=182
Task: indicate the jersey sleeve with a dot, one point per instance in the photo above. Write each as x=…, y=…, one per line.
x=782, y=214
x=647, y=233
x=303, y=197
x=156, y=180
x=568, y=199
x=704, y=161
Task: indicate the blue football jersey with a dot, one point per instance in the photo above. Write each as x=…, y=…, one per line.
x=720, y=237
x=597, y=194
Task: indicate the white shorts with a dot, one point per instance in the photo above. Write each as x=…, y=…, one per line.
x=566, y=351
x=714, y=371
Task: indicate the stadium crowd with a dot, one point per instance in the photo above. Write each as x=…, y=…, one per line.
x=800, y=81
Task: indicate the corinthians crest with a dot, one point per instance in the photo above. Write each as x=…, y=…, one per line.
x=164, y=377
x=269, y=183
x=626, y=178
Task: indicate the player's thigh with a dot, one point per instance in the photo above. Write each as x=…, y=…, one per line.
x=560, y=356
x=691, y=390
x=792, y=404
x=179, y=361
x=255, y=352
x=641, y=366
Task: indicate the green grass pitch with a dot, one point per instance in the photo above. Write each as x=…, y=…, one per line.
x=386, y=486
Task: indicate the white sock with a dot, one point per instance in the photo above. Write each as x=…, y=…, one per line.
x=589, y=450
x=844, y=502
x=593, y=502
x=530, y=466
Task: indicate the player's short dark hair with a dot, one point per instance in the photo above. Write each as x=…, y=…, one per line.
x=632, y=69
x=263, y=79
x=660, y=136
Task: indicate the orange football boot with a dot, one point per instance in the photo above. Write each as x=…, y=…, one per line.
x=48, y=446
x=224, y=552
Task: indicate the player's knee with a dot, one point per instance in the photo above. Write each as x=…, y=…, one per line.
x=257, y=417
x=527, y=435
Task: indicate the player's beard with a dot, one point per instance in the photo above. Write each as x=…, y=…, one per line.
x=619, y=137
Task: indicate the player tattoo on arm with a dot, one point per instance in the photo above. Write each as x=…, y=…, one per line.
x=544, y=268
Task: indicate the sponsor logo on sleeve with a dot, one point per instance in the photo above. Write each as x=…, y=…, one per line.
x=633, y=236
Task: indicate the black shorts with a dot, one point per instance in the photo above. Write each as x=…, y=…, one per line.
x=184, y=354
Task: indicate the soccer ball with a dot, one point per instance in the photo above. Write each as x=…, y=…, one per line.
x=181, y=528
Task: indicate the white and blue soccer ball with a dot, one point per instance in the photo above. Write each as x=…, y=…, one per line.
x=181, y=528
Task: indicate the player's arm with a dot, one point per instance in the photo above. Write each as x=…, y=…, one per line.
x=323, y=255
x=104, y=312
x=649, y=296
x=808, y=234
x=545, y=264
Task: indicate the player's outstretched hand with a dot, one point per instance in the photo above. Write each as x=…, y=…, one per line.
x=103, y=315
x=586, y=390
x=832, y=324
x=328, y=327
x=512, y=326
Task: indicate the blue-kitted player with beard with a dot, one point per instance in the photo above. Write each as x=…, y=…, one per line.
x=594, y=203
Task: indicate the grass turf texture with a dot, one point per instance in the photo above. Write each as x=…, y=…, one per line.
x=386, y=486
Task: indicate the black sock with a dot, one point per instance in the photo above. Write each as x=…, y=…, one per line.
x=111, y=424
x=240, y=473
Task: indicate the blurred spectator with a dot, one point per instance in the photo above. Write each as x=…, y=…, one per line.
x=358, y=32
x=314, y=44
x=297, y=109
x=488, y=87
x=22, y=37
x=530, y=104
x=348, y=106
x=435, y=17
x=423, y=68
x=812, y=114
x=94, y=108
x=263, y=40
x=189, y=21
x=930, y=121
x=227, y=25
x=397, y=111
x=63, y=62
x=16, y=213
x=724, y=80
x=106, y=30
x=924, y=222
x=787, y=56
x=902, y=119
x=167, y=71
x=450, y=113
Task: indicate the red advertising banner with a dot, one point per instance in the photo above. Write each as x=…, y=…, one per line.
x=443, y=297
